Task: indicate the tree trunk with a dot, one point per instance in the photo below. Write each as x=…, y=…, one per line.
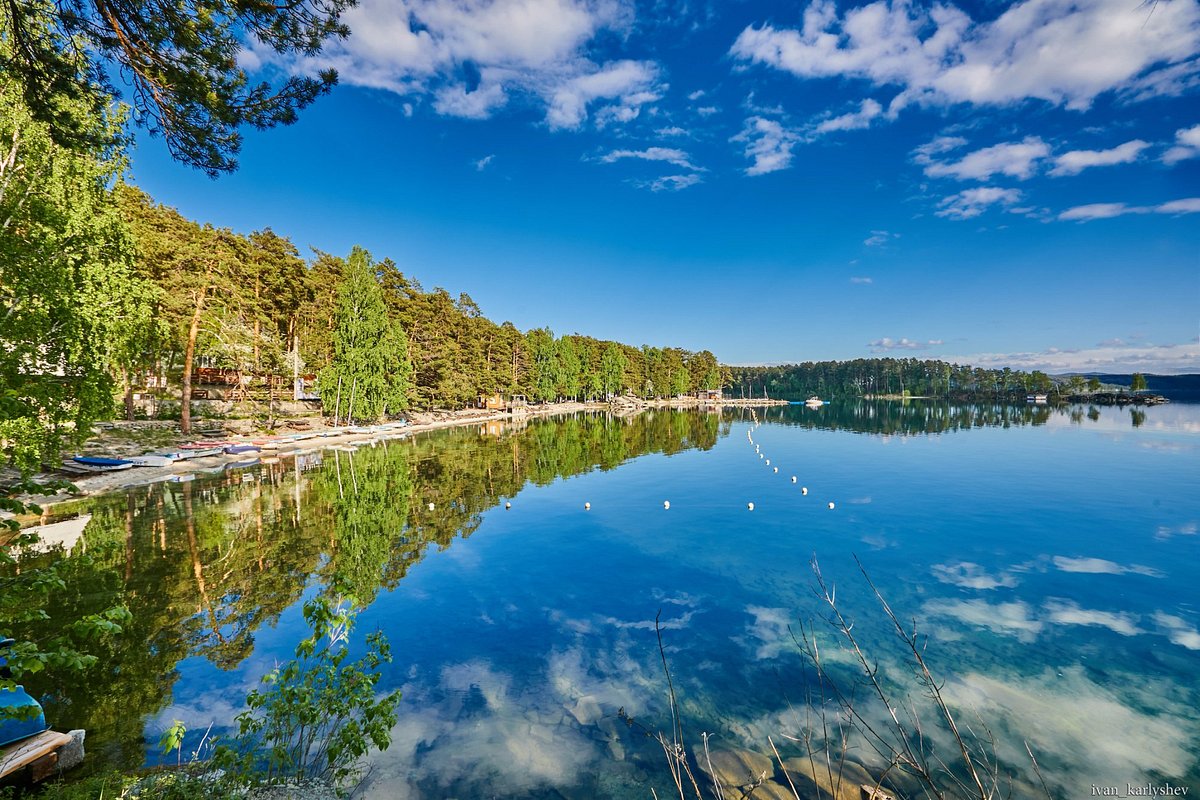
x=257, y=322
x=128, y=393
x=185, y=396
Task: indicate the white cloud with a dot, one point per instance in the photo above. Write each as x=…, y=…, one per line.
x=668, y=154
x=1063, y=612
x=473, y=57
x=1187, y=145
x=972, y=576
x=903, y=343
x=878, y=238
x=855, y=120
x=1100, y=566
x=942, y=144
x=707, y=111
x=1014, y=159
x=970, y=203
x=623, y=79
x=1161, y=359
x=1101, y=211
x=1076, y=161
x=1187, y=205
x=674, y=130
x=1178, y=630
x=484, y=162
x=862, y=279
x=456, y=101
x=671, y=183
x=1064, y=53
x=696, y=95
x=769, y=143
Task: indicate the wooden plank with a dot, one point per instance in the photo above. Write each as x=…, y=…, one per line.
x=21, y=754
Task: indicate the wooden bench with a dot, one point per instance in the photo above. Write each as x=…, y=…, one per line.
x=39, y=753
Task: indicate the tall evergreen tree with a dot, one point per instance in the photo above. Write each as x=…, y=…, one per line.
x=370, y=372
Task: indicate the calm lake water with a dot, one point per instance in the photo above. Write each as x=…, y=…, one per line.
x=1051, y=557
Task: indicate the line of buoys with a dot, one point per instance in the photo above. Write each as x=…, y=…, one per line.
x=803, y=490
x=793, y=479
x=775, y=468
x=768, y=462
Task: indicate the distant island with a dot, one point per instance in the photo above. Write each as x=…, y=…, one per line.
x=899, y=378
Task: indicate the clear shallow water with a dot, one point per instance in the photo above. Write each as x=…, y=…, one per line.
x=1051, y=557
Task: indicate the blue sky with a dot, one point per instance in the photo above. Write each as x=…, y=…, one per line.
x=1002, y=184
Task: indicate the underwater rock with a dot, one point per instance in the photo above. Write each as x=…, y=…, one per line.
x=839, y=781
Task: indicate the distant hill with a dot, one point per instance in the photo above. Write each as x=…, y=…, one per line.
x=1181, y=388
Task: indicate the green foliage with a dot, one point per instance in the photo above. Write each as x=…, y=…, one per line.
x=70, y=304
x=1138, y=382
x=172, y=739
x=28, y=589
x=884, y=376
x=181, y=58
x=370, y=372
x=317, y=715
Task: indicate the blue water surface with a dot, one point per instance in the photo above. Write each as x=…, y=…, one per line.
x=1050, y=571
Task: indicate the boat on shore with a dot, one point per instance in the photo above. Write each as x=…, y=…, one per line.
x=198, y=452
x=97, y=464
x=155, y=459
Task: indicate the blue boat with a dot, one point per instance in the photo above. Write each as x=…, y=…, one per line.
x=20, y=715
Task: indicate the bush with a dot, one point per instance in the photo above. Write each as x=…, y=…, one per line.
x=316, y=716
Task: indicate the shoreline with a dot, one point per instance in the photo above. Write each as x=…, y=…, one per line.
x=420, y=422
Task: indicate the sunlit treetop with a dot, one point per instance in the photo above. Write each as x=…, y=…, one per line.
x=177, y=60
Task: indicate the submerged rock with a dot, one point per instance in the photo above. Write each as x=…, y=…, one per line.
x=832, y=781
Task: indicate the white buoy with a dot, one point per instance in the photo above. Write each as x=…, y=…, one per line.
x=508, y=505
x=803, y=490
x=768, y=462
x=760, y=455
x=750, y=506
x=775, y=468
x=831, y=506
x=666, y=503
x=431, y=506
x=587, y=506
x=793, y=479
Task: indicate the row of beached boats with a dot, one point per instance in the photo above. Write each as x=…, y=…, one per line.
x=250, y=449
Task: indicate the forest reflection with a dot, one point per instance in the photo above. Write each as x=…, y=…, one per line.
x=917, y=417
x=204, y=565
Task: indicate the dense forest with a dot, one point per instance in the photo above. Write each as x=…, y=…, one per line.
x=876, y=377
x=369, y=331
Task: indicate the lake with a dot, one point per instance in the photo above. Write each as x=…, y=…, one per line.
x=1049, y=558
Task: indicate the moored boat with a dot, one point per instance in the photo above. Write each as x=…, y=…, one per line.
x=199, y=452
x=155, y=459
x=98, y=464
